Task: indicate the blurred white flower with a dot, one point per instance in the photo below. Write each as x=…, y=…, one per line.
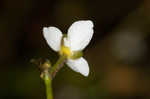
x=79, y=35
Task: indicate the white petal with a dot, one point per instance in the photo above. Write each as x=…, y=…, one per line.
x=66, y=42
x=79, y=65
x=53, y=37
x=79, y=34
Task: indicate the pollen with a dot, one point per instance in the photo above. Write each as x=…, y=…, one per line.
x=65, y=51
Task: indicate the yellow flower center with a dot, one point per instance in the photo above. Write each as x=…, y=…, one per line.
x=65, y=51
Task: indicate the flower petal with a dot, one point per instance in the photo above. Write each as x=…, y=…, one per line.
x=53, y=37
x=79, y=34
x=79, y=65
x=66, y=42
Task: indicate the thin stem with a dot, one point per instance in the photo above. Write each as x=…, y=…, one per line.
x=48, y=85
x=57, y=66
x=49, y=75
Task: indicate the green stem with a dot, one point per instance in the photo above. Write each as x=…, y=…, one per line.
x=48, y=85
x=49, y=75
x=57, y=66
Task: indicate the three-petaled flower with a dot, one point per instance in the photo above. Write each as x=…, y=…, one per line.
x=79, y=35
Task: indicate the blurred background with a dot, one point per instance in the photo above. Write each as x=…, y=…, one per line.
x=118, y=55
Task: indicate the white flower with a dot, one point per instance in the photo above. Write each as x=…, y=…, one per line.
x=79, y=35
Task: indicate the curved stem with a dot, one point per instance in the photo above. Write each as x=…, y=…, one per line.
x=48, y=85
x=59, y=64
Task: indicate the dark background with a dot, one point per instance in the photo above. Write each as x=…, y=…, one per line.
x=118, y=54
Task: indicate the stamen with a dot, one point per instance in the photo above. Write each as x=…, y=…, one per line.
x=65, y=51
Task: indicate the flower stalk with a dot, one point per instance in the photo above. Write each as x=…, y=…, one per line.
x=48, y=85
x=57, y=66
x=48, y=72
